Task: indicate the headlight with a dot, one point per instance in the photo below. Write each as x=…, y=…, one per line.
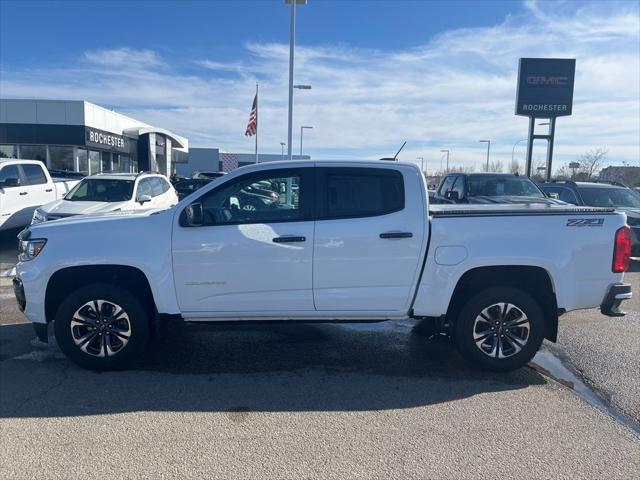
x=30, y=249
x=38, y=216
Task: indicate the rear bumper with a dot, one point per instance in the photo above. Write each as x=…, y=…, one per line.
x=617, y=294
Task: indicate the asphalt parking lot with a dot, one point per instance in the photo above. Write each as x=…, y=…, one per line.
x=334, y=401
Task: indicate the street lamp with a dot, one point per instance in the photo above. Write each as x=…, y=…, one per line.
x=488, y=142
x=447, y=152
x=301, y=129
x=282, y=144
x=292, y=48
x=513, y=150
x=421, y=163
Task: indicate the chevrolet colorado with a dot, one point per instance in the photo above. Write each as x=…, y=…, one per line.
x=344, y=241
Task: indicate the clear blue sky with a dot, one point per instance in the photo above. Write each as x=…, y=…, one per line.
x=50, y=31
x=438, y=74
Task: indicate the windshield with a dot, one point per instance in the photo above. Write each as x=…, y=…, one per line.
x=101, y=190
x=492, y=186
x=609, y=197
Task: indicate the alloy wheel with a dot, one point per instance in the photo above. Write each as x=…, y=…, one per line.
x=100, y=328
x=501, y=330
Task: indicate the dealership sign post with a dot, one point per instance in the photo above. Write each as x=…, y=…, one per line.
x=545, y=90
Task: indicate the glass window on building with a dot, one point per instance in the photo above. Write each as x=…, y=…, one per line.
x=115, y=166
x=82, y=157
x=61, y=158
x=34, y=152
x=125, y=164
x=8, y=151
x=106, y=161
x=94, y=162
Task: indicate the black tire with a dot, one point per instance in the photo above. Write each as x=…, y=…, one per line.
x=137, y=336
x=467, y=325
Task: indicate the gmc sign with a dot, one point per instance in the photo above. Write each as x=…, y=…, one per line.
x=545, y=87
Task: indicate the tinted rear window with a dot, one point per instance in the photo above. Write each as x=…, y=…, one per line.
x=363, y=192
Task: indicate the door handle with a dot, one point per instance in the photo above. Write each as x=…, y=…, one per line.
x=289, y=239
x=49, y=190
x=23, y=193
x=396, y=235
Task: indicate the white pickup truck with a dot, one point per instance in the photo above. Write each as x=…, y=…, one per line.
x=24, y=186
x=339, y=241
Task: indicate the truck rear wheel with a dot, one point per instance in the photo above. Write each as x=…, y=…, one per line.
x=101, y=327
x=500, y=328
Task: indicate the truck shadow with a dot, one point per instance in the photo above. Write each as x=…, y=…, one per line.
x=242, y=368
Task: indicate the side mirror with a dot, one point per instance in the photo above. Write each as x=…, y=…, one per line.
x=193, y=215
x=451, y=195
x=10, y=182
x=142, y=199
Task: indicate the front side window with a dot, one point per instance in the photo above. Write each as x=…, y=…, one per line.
x=33, y=174
x=362, y=192
x=145, y=188
x=262, y=197
x=447, y=184
x=101, y=190
x=458, y=186
x=10, y=171
x=609, y=197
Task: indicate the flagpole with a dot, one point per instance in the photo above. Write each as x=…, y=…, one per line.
x=256, y=122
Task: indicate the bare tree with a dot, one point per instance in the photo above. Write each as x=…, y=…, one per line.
x=591, y=162
x=496, y=167
x=514, y=167
x=563, y=173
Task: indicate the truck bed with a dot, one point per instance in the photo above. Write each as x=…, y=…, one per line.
x=443, y=211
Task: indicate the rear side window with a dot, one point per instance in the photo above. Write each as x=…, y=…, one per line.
x=156, y=187
x=33, y=174
x=361, y=192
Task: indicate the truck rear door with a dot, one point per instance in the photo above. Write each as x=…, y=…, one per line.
x=369, y=238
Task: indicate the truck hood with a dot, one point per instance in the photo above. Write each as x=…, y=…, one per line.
x=87, y=221
x=68, y=208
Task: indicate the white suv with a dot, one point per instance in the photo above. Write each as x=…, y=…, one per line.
x=109, y=193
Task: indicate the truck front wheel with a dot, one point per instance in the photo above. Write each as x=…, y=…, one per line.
x=101, y=327
x=500, y=328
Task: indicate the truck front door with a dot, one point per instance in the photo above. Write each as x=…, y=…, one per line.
x=249, y=247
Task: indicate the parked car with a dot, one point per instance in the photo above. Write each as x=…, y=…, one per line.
x=209, y=175
x=609, y=195
x=187, y=186
x=360, y=243
x=488, y=188
x=110, y=192
x=24, y=186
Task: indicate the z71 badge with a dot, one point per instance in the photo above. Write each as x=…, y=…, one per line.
x=585, y=222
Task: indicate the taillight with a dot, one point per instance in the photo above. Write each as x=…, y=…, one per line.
x=622, y=250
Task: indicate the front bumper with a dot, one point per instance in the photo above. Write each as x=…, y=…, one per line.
x=617, y=294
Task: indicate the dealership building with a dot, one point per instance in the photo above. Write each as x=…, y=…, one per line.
x=84, y=137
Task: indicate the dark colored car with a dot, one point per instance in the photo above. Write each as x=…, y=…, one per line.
x=209, y=175
x=611, y=195
x=489, y=188
x=189, y=185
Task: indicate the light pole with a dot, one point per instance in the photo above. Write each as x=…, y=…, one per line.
x=282, y=144
x=513, y=150
x=447, y=152
x=421, y=163
x=488, y=142
x=302, y=127
x=292, y=48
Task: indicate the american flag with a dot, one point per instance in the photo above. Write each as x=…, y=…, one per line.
x=252, y=126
